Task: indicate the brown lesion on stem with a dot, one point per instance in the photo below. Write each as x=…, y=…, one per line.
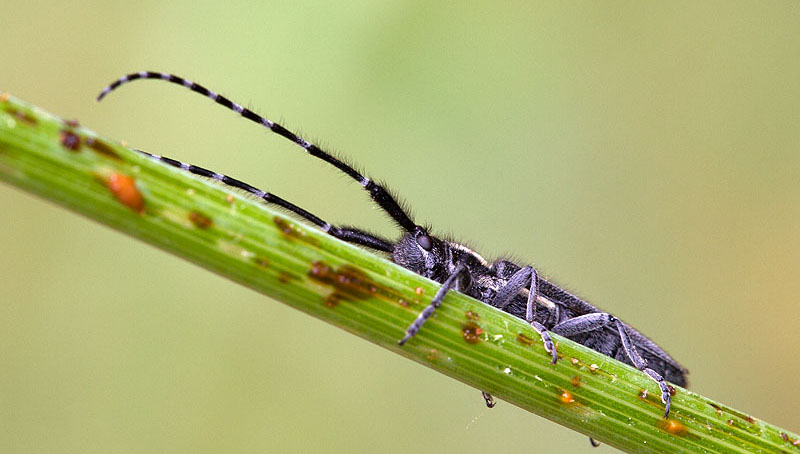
x=350, y=284
x=23, y=116
x=102, y=148
x=472, y=333
x=69, y=140
x=200, y=220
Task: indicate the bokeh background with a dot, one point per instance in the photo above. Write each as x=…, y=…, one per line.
x=645, y=156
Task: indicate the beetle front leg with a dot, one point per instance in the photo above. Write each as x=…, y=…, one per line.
x=435, y=303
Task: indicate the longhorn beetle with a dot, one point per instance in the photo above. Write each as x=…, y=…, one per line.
x=513, y=288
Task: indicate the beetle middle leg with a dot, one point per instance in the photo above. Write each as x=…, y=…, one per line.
x=525, y=277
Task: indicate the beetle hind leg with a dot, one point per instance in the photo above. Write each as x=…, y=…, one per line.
x=641, y=364
x=598, y=320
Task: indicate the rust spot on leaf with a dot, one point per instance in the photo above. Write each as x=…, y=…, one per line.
x=673, y=427
x=102, y=148
x=291, y=231
x=22, y=116
x=332, y=300
x=200, y=220
x=283, y=226
x=719, y=409
x=69, y=140
x=472, y=333
x=472, y=315
x=524, y=339
x=351, y=284
x=785, y=437
x=348, y=283
x=284, y=277
x=124, y=189
x=432, y=354
x=566, y=397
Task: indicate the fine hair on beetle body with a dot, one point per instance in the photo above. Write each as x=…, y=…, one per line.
x=505, y=284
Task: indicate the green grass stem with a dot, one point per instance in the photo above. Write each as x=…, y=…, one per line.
x=367, y=295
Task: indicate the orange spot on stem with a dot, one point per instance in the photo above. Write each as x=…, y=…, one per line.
x=124, y=189
x=432, y=354
x=673, y=427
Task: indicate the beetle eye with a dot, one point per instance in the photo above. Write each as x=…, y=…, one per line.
x=425, y=242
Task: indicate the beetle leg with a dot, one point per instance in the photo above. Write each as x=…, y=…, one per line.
x=435, y=303
x=526, y=276
x=490, y=402
x=641, y=364
x=597, y=320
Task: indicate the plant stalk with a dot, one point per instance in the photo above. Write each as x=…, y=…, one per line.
x=259, y=247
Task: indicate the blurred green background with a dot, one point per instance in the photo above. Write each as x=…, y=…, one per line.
x=644, y=156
